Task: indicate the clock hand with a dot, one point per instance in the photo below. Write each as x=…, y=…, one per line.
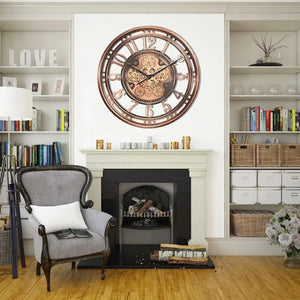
x=161, y=69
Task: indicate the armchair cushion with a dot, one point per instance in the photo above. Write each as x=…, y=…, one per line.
x=75, y=247
x=59, y=217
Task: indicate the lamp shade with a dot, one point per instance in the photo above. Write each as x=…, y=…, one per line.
x=15, y=102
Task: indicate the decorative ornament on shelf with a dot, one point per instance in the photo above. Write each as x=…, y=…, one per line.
x=284, y=229
x=267, y=46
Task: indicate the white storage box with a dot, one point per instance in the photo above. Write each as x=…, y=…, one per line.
x=243, y=178
x=269, y=178
x=290, y=178
x=244, y=196
x=269, y=195
x=291, y=196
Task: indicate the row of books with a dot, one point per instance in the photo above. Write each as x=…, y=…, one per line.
x=34, y=155
x=35, y=124
x=62, y=120
x=278, y=119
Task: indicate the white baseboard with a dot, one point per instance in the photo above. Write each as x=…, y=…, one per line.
x=242, y=246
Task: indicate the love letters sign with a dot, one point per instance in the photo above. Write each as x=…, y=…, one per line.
x=39, y=56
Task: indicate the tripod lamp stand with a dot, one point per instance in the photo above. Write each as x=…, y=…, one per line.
x=15, y=103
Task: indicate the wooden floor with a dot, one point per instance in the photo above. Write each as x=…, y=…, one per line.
x=234, y=278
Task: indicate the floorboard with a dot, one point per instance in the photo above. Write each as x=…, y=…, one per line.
x=234, y=277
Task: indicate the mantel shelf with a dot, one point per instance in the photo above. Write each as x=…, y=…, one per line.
x=264, y=70
x=34, y=70
x=264, y=97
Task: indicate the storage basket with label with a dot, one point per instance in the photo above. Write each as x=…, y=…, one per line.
x=5, y=247
x=242, y=155
x=249, y=222
x=268, y=155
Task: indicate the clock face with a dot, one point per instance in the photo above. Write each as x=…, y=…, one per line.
x=148, y=76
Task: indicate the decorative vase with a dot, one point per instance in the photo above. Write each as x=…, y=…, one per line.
x=267, y=58
x=292, y=261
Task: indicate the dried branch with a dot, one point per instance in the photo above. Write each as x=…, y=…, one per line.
x=268, y=47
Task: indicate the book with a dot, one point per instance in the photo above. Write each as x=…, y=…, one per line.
x=245, y=118
x=60, y=152
x=72, y=233
x=62, y=120
x=36, y=119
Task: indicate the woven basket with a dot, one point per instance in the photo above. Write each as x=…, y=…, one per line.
x=249, y=222
x=290, y=155
x=268, y=155
x=5, y=247
x=242, y=155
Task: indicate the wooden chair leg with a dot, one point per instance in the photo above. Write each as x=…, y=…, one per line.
x=73, y=265
x=105, y=259
x=47, y=269
x=38, y=268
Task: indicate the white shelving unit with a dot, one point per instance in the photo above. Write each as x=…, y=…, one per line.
x=243, y=52
x=37, y=34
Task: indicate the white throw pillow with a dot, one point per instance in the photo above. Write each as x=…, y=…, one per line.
x=59, y=217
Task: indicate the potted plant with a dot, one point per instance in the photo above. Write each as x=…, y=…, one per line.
x=284, y=229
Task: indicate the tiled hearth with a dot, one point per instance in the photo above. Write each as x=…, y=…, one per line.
x=193, y=160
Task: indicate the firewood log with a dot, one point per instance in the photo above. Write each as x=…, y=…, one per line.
x=145, y=207
x=188, y=260
x=176, y=247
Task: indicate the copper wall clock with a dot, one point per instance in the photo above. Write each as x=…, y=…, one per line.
x=148, y=76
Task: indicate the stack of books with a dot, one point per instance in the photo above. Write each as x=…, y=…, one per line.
x=62, y=120
x=35, y=155
x=278, y=119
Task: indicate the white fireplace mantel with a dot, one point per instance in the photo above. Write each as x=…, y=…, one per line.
x=194, y=160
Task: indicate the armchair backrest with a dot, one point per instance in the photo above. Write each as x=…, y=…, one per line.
x=53, y=185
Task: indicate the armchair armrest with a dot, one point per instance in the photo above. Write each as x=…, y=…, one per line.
x=98, y=221
x=40, y=239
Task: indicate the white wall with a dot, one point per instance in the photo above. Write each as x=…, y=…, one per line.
x=204, y=122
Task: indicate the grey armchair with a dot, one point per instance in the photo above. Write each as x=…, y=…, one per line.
x=53, y=186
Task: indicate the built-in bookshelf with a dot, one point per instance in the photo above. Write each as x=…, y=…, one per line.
x=272, y=91
x=51, y=38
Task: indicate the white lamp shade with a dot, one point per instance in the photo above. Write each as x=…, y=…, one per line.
x=15, y=102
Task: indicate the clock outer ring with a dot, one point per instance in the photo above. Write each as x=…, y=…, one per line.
x=189, y=55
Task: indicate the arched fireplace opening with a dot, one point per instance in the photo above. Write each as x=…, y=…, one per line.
x=170, y=192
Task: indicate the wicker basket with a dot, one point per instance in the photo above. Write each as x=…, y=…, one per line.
x=268, y=155
x=290, y=155
x=249, y=222
x=5, y=247
x=243, y=155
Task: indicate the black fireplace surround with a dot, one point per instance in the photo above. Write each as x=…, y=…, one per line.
x=181, y=198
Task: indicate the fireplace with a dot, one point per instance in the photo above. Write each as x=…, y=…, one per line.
x=191, y=162
x=168, y=190
x=146, y=216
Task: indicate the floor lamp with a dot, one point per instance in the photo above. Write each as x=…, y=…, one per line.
x=14, y=103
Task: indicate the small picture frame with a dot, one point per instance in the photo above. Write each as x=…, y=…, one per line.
x=59, y=86
x=9, y=81
x=36, y=87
